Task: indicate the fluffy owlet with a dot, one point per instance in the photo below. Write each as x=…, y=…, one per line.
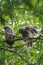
x=9, y=35
x=27, y=32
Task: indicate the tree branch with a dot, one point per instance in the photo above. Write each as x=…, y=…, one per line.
x=21, y=38
x=10, y=50
x=26, y=38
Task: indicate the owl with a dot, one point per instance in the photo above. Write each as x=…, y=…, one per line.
x=27, y=32
x=9, y=35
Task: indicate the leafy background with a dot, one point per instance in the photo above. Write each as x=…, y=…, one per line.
x=20, y=13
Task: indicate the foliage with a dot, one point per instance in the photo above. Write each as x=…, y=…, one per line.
x=20, y=13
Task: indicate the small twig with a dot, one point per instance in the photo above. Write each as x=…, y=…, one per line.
x=2, y=33
x=16, y=46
